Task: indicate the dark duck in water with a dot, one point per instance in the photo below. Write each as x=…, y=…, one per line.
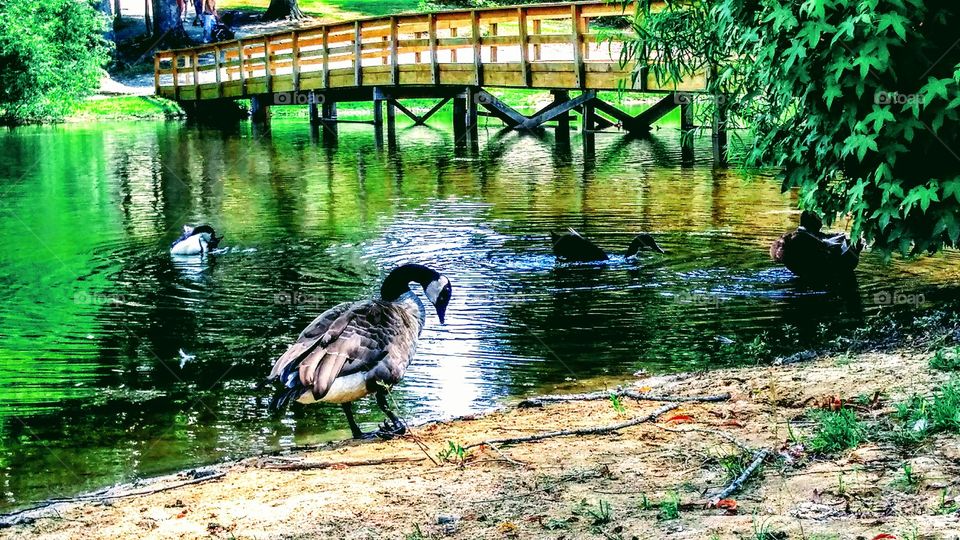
x=359, y=348
x=574, y=247
x=815, y=255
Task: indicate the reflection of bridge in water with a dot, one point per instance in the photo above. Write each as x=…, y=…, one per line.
x=448, y=56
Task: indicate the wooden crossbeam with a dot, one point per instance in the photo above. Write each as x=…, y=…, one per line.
x=556, y=110
x=501, y=110
x=432, y=111
x=642, y=121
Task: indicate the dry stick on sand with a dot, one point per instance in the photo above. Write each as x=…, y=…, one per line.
x=26, y=515
x=306, y=466
x=578, y=432
x=738, y=483
x=632, y=394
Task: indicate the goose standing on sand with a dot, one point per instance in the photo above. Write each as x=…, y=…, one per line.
x=359, y=348
x=195, y=241
x=812, y=254
x=574, y=247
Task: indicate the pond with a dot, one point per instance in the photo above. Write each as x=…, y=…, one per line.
x=118, y=362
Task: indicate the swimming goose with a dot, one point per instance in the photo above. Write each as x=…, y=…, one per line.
x=574, y=247
x=812, y=254
x=195, y=241
x=359, y=348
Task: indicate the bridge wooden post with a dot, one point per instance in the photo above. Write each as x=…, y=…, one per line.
x=267, y=70
x=719, y=133
x=686, y=131
x=243, y=76
x=394, y=52
x=459, y=119
x=357, y=54
x=325, y=46
x=432, y=38
x=472, y=116
x=562, y=132
x=313, y=109
x=176, y=76
x=260, y=109
x=475, y=37
x=493, y=48
x=588, y=117
x=216, y=59
x=195, y=64
x=524, y=45
x=328, y=112
x=295, y=52
x=577, y=38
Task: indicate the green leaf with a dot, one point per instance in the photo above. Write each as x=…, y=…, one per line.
x=896, y=21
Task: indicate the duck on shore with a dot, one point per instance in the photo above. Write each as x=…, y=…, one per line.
x=195, y=241
x=812, y=254
x=359, y=348
x=572, y=246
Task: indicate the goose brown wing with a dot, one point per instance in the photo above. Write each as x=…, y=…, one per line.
x=353, y=339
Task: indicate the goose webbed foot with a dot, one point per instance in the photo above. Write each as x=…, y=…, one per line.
x=390, y=430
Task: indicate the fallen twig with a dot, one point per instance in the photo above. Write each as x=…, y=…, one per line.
x=29, y=515
x=738, y=483
x=312, y=465
x=538, y=401
x=501, y=454
x=583, y=431
x=733, y=440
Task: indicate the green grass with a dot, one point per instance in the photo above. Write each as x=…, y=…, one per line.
x=946, y=359
x=127, y=107
x=601, y=514
x=921, y=416
x=333, y=9
x=836, y=431
x=670, y=507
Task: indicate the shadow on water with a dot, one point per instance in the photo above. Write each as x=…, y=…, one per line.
x=118, y=361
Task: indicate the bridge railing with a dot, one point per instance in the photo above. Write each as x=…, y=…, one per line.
x=530, y=46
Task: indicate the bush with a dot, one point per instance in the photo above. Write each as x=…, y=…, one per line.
x=858, y=101
x=946, y=359
x=52, y=54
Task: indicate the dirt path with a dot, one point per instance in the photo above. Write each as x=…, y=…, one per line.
x=648, y=481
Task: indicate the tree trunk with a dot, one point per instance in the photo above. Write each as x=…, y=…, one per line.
x=283, y=9
x=147, y=23
x=167, y=24
x=104, y=6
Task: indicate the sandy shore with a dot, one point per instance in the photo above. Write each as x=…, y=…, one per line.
x=651, y=480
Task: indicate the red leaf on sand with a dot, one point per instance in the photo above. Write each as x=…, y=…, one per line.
x=884, y=536
x=680, y=418
x=729, y=505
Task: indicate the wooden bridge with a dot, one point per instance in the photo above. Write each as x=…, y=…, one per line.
x=449, y=55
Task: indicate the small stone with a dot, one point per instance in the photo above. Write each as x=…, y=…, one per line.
x=445, y=519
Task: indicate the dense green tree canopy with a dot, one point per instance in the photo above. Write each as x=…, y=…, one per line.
x=857, y=101
x=52, y=53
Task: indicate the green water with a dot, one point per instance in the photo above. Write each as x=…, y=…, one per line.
x=94, y=390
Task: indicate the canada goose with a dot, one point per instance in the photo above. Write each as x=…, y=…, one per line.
x=358, y=348
x=574, y=247
x=195, y=241
x=811, y=254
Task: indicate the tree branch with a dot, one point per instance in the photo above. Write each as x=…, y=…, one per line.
x=583, y=431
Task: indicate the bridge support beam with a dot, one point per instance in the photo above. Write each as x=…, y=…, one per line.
x=719, y=134
x=686, y=133
x=260, y=109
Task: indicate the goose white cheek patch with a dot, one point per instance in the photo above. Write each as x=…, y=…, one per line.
x=433, y=290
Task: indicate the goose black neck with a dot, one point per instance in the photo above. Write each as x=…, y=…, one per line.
x=399, y=279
